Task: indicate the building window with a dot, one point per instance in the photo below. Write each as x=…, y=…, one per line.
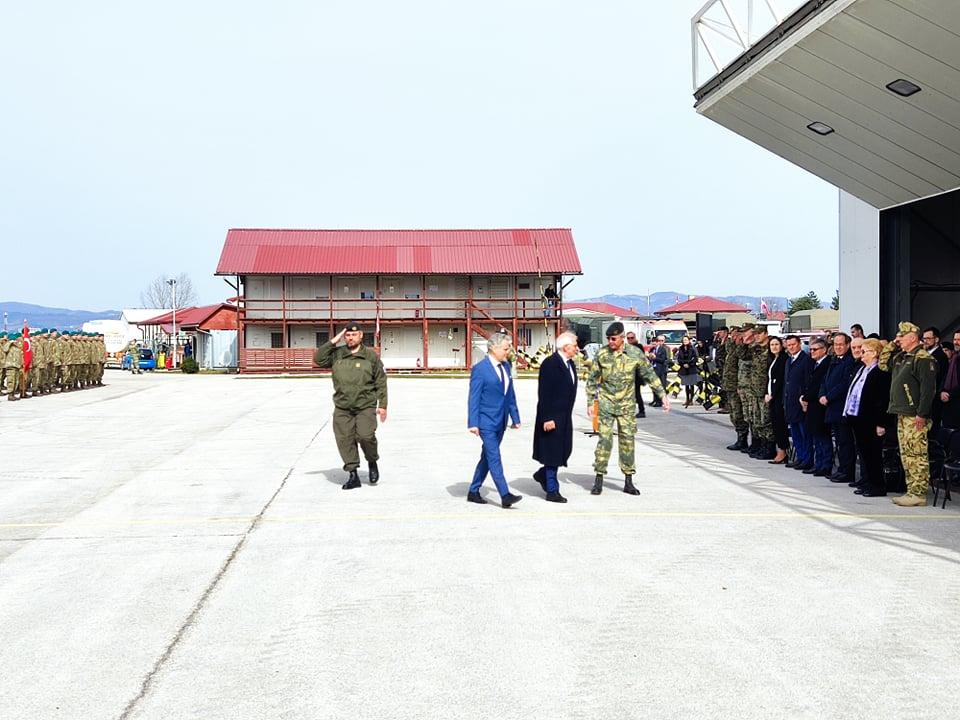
x=276, y=340
x=323, y=336
x=524, y=336
x=366, y=295
x=524, y=286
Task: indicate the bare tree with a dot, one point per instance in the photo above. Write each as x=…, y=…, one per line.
x=159, y=293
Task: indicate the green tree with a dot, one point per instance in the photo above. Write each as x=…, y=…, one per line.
x=835, y=303
x=810, y=301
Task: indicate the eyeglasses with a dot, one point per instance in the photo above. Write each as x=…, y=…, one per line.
x=818, y=349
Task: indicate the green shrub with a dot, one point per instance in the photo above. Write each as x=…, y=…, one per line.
x=190, y=366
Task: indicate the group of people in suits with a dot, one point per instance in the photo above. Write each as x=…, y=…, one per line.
x=492, y=406
x=842, y=403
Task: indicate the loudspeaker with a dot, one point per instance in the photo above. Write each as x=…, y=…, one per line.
x=704, y=327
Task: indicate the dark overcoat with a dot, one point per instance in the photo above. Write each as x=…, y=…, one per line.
x=556, y=396
x=816, y=413
x=797, y=377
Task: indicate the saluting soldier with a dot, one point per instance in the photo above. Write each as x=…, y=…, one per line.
x=359, y=397
x=913, y=384
x=612, y=384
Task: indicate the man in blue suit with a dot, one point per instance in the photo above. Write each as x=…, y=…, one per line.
x=799, y=368
x=492, y=403
x=833, y=394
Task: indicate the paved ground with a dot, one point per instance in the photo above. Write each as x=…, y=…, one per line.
x=179, y=547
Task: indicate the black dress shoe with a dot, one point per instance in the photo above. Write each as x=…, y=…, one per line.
x=821, y=473
x=858, y=491
x=803, y=468
x=474, y=497
x=510, y=499
x=640, y=416
x=809, y=470
x=555, y=497
x=541, y=477
x=874, y=493
x=855, y=483
x=353, y=481
x=374, y=473
x=838, y=478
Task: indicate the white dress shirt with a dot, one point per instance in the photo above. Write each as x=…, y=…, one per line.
x=497, y=369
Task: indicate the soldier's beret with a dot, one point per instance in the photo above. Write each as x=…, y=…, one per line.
x=14, y=336
x=747, y=326
x=760, y=328
x=615, y=328
x=352, y=327
x=908, y=327
x=2, y=335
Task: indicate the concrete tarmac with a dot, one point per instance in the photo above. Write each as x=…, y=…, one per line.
x=179, y=547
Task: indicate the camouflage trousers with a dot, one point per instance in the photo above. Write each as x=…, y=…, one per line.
x=14, y=382
x=758, y=414
x=735, y=405
x=626, y=431
x=913, y=455
x=746, y=403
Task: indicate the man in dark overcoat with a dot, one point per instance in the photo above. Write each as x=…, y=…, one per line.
x=553, y=430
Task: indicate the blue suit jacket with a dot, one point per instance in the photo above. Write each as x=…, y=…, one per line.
x=488, y=407
x=798, y=376
x=835, y=386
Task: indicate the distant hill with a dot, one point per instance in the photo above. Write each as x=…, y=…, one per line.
x=38, y=316
x=660, y=300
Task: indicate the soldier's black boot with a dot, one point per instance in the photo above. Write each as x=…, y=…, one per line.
x=741, y=442
x=751, y=449
x=628, y=487
x=374, y=473
x=597, y=485
x=353, y=481
x=769, y=451
x=756, y=449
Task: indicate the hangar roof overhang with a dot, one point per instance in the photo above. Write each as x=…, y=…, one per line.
x=830, y=62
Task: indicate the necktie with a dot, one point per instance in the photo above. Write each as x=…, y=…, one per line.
x=573, y=370
x=503, y=378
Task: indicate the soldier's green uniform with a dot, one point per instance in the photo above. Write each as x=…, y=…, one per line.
x=760, y=411
x=100, y=350
x=4, y=346
x=359, y=388
x=54, y=356
x=13, y=362
x=38, y=362
x=730, y=380
x=612, y=384
x=134, y=351
x=913, y=385
x=744, y=390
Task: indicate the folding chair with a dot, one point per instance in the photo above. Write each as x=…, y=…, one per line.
x=949, y=441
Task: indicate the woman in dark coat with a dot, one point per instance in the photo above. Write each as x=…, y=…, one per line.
x=866, y=410
x=689, y=373
x=774, y=399
x=553, y=430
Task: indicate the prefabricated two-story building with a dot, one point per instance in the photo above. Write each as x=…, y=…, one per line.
x=426, y=299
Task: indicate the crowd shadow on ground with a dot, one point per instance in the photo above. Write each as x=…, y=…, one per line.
x=701, y=443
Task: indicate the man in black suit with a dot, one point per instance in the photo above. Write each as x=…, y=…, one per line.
x=553, y=430
x=799, y=367
x=833, y=392
x=660, y=357
x=817, y=428
x=931, y=343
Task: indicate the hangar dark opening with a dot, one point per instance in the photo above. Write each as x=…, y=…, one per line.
x=920, y=264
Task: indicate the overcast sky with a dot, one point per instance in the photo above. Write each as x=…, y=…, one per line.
x=136, y=133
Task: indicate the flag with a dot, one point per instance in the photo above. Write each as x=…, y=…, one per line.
x=27, y=349
x=764, y=310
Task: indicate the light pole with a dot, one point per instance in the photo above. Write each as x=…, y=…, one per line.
x=173, y=284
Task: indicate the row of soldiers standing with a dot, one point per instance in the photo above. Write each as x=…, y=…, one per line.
x=48, y=361
x=744, y=380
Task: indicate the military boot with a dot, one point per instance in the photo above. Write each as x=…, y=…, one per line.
x=768, y=450
x=755, y=447
x=741, y=442
x=628, y=487
x=353, y=481
x=374, y=473
x=909, y=500
x=597, y=485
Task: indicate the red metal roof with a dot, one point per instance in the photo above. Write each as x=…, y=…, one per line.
x=399, y=252
x=600, y=307
x=187, y=317
x=703, y=304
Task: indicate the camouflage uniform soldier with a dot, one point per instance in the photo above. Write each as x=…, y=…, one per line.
x=913, y=384
x=134, y=351
x=760, y=411
x=731, y=369
x=54, y=355
x=100, y=351
x=65, y=345
x=612, y=382
x=744, y=391
x=4, y=346
x=13, y=362
x=39, y=361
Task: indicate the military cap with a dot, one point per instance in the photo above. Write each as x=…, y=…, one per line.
x=908, y=327
x=3, y=335
x=748, y=326
x=14, y=336
x=761, y=328
x=353, y=326
x=615, y=328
